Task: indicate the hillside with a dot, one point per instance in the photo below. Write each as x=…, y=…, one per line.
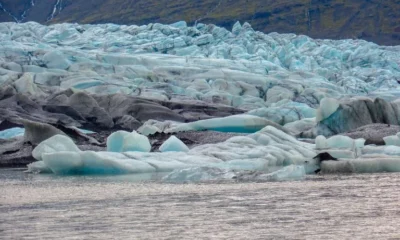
x=373, y=20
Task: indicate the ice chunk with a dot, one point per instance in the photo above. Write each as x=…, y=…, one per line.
x=122, y=141
x=55, y=60
x=147, y=130
x=173, y=144
x=359, y=143
x=57, y=143
x=392, y=140
x=200, y=174
x=12, y=132
x=203, y=174
x=180, y=24
x=289, y=173
x=321, y=142
x=236, y=123
x=154, y=126
x=381, y=150
x=237, y=27
x=362, y=165
x=38, y=167
x=339, y=141
x=94, y=163
x=26, y=84
x=300, y=125
x=326, y=108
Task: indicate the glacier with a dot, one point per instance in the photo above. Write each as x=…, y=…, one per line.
x=288, y=95
x=242, y=68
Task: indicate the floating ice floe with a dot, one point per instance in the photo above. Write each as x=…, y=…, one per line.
x=267, y=150
x=122, y=141
x=173, y=144
x=392, y=140
x=267, y=155
x=205, y=174
x=353, y=157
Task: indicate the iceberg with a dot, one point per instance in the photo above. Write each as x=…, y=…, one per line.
x=173, y=144
x=362, y=165
x=55, y=144
x=392, y=140
x=236, y=123
x=246, y=153
x=207, y=174
x=122, y=141
x=289, y=173
x=200, y=174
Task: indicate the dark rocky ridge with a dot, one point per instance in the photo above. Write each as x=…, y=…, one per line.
x=372, y=20
x=61, y=112
x=99, y=112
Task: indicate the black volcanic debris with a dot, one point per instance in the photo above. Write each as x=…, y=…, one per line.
x=98, y=112
x=62, y=112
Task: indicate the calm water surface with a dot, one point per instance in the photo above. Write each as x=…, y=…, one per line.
x=321, y=207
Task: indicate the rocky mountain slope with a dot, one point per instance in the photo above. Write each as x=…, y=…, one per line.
x=372, y=20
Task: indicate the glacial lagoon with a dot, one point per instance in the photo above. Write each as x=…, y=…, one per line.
x=356, y=206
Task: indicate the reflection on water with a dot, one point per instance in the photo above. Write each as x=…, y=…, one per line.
x=131, y=207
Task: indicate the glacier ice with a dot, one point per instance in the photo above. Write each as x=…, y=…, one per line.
x=339, y=141
x=285, y=113
x=11, y=133
x=55, y=144
x=90, y=162
x=362, y=165
x=250, y=153
x=173, y=144
x=381, y=150
x=321, y=142
x=122, y=141
x=204, y=174
x=38, y=167
x=278, y=79
x=241, y=68
x=326, y=108
x=392, y=140
x=198, y=174
x=272, y=153
x=292, y=172
x=236, y=123
x=154, y=126
x=302, y=125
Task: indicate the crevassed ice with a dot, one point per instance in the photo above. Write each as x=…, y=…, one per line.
x=241, y=68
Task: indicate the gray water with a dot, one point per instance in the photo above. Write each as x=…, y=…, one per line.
x=321, y=207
